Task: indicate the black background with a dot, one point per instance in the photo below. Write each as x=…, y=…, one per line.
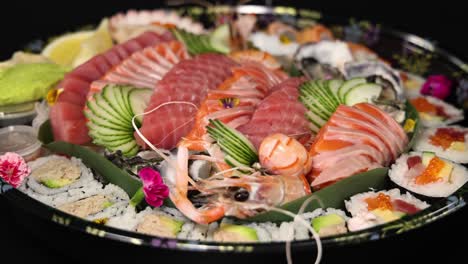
x=443, y=21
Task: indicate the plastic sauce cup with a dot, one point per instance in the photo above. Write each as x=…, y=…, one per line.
x=21, y=140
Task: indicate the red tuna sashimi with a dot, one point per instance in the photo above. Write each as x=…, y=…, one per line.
x=145, y=67
x=234, y=101
x=280, y=112
x=189, y=81
x=77, y=83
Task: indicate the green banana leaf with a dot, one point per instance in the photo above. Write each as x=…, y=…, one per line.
x=45, y=134
x=412, y=113
x=332, y=196
x=100, y=164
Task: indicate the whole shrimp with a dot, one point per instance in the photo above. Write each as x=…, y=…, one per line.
x=242, y=195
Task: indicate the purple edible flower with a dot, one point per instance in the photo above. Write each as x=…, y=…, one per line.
x=153, y=186
x=437, y=86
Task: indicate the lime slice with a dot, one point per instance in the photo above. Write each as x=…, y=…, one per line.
x=220, y=39
x=98, y=42
x=64, y=49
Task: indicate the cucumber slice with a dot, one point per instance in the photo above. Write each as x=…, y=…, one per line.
x=236, y=146
x=347, y=85
x=128, y=149
x=139, y=100
x=329, y=95
x=197, y=44
x=104, y=131
x=220, y=39
x=334, y=86
x=96, y=135
x=104, y=104
x=113, y=96
x=125, y=93
x=112, y=143
x=102, y=118
x=363, y=93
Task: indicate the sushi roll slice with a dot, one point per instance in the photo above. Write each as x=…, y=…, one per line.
x=427, y=174
x=109, y=202
x=374, y=208
x=434, y=112
x=412, y=84
x=450, y=142
x=55, y=180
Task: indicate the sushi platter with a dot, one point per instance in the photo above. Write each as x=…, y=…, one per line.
x=234, y=129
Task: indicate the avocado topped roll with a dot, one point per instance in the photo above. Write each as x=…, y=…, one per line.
x=428, y=174
x=434, y=112
x=56, y=180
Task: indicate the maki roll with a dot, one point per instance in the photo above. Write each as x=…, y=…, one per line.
x=434, y=112
x=110, y=202
x=374, y=208
x=450, y=142
x=427, y=174
x=56, y=180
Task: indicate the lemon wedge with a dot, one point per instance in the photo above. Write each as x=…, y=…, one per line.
x=64, y=49
x=97, y=43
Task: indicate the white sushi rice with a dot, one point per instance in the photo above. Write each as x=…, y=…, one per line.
x=454, y=113
x=423, y=143
x=398, y=171
x=356, y=205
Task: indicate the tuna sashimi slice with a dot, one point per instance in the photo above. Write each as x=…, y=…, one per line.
x=280, y=112
x=77, y=83
x=189, y=82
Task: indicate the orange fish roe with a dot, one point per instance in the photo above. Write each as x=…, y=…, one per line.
x=423, y=105
x=381, y=201
x=445, y=136
x=430, y=174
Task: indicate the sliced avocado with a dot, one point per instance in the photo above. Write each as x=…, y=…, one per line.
x=326, y=221
x=107, y=204
x=235, y=233
x=56, y=183
x=426, y=157
x=170, y=223
x=387, y=215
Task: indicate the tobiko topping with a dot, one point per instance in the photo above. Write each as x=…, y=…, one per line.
x=13, y=169
x=153, y=186
x=431, y=172
x=437, y=86
x=381, y=201
x=445, y=136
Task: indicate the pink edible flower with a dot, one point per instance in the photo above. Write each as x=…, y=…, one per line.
x=437, y=86
x=153, y=186
x=13, y=169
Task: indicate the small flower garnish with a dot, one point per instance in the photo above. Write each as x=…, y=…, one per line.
x=153, y=186
x=437, y=86
x=229, y=102
x=13, y=169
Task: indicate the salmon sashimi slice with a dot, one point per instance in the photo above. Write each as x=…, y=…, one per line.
x=234, y=102
x=77, y=83
x=383, y=127
x=389, y=121
x=145, y=67
x=189, y=82
x=344, y=168
x=359, y=137
x=355, y=139
x=330, y=158
x=262, y=57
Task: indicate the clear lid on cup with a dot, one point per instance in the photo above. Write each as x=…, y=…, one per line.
x=19, y=139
